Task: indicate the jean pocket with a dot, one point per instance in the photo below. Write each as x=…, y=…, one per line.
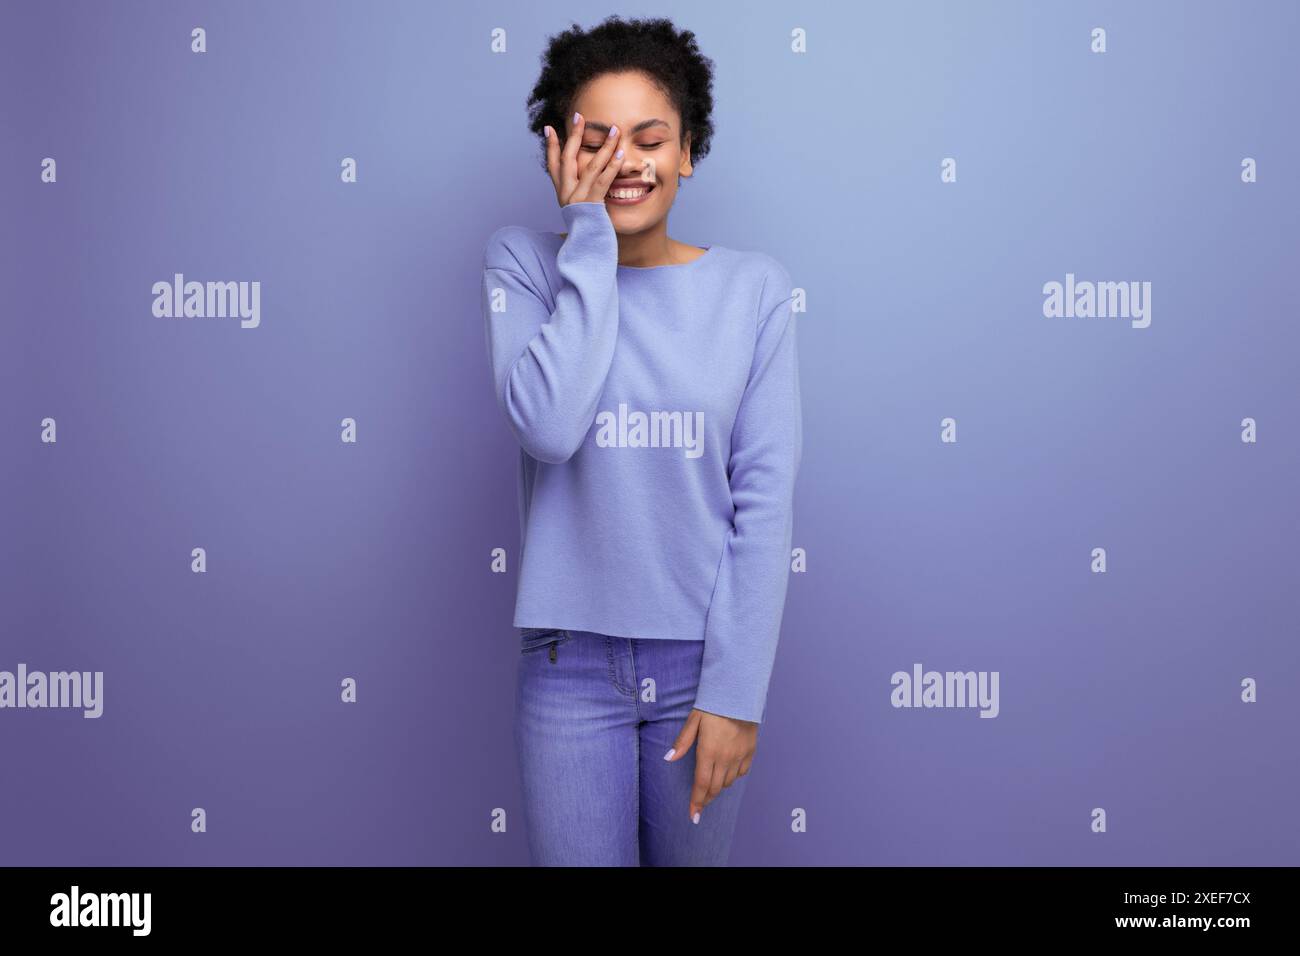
x=535, y=638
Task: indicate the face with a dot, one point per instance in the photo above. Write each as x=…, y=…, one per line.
x=650, y=135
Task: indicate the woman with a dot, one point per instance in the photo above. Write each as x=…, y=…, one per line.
x=653, y=387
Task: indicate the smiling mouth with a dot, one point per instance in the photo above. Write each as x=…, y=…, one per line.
x=629, y=195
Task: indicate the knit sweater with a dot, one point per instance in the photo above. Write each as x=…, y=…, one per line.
x=658, y=415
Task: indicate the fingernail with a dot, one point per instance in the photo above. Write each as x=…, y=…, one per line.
x=696, y=818
x=669, y=755
x=546, y=131
x=618, y=154
x=612, y=131
x=576, y=117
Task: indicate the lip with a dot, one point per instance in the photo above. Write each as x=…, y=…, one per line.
x=630, y=184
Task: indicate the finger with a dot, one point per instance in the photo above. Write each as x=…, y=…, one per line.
x=599, y=161
x=715, y=782
x=685, y=737
x=552, y=156
x=601, y=186
x=744, y=765
x=730, y=777
x=569, y=157
x=700, y=791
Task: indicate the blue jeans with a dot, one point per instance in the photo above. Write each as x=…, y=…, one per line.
x=591, y=734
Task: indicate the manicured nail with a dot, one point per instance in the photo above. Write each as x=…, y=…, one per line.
x=546, y=131
x=612, y=131
x=576, y=117
x=669, y=755
x=696, y=818
x=618, y=154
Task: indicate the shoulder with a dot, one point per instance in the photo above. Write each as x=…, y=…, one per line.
x=519, y=249
x=777, y=284
x=765, y=275
x=760, y=269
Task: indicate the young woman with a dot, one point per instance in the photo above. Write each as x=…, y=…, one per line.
x=653, y=387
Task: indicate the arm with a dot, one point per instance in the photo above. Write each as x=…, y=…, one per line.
x=549, y=368
x=744, y=619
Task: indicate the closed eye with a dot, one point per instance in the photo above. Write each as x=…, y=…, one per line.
x=590, y=148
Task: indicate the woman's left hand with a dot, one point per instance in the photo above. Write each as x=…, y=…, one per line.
x=724, y=750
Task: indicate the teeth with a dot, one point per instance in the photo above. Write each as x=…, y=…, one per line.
x=636, y=193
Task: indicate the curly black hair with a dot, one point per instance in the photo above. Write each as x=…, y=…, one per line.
x=650, y=45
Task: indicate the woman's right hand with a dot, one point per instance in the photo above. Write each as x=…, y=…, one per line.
x=598, y=174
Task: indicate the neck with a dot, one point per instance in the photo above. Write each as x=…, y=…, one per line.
x=643, y=250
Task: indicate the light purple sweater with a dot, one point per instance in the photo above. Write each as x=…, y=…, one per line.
x=659, y=418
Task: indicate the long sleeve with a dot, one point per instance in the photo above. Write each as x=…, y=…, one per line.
x=744, y=618
x=549, y=367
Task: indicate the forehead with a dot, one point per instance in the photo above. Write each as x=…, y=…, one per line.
x=624, y=98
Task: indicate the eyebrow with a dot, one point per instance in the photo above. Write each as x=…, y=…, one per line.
x=645, y=124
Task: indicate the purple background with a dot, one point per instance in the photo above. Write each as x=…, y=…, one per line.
x=371, y=560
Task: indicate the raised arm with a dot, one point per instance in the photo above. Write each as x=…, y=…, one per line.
x=549, y=365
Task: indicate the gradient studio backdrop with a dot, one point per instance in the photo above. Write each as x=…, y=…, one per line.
x=326, y=560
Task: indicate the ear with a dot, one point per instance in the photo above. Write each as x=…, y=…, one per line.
x=685, y=169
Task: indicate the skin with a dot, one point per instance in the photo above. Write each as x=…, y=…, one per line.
x=582, y=170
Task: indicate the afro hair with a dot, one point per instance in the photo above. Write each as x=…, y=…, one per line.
x=649, y=45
